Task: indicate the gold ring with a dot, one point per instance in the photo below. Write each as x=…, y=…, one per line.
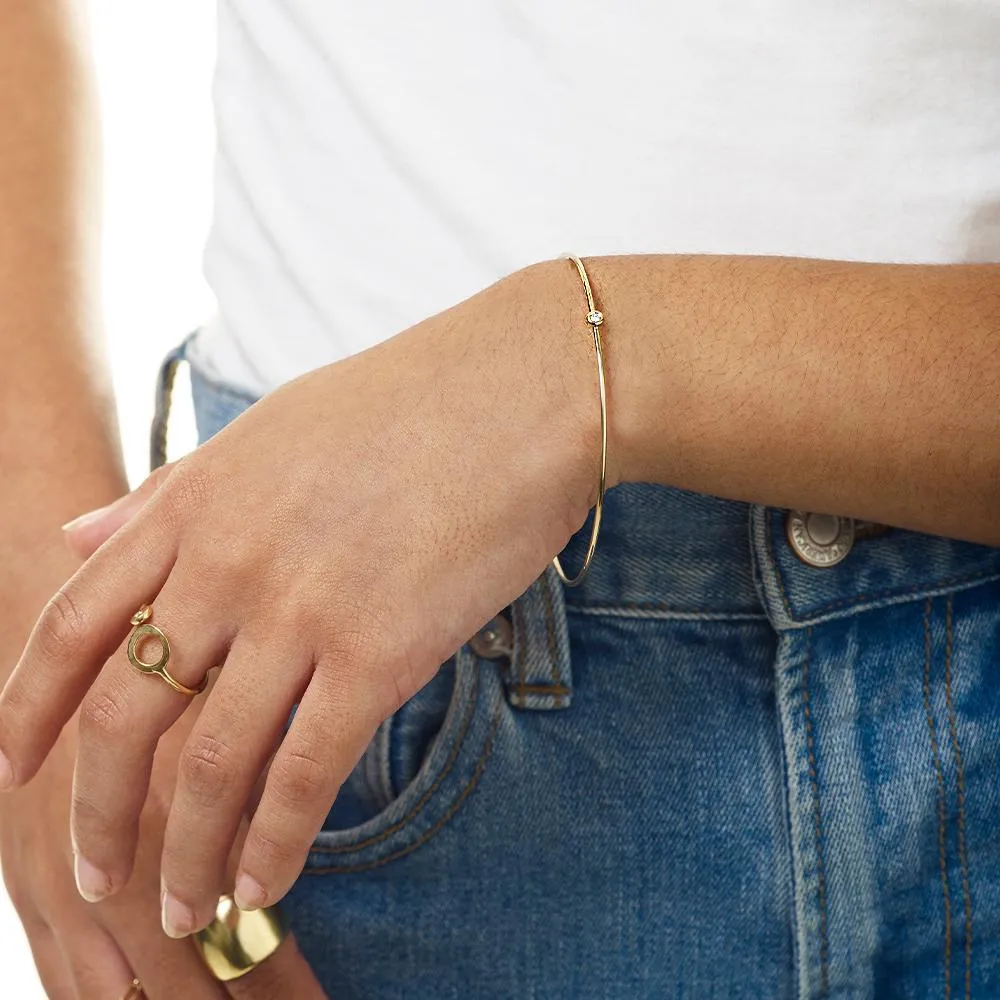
x=237, y=941
x=143, y=630
x=134, y=991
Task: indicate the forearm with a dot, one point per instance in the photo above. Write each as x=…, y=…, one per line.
x=58, y=439
x=860, y=389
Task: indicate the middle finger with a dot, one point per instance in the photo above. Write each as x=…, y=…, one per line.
x=228, y=748
x=96, y=964
x=121, y=720
x=51, y=966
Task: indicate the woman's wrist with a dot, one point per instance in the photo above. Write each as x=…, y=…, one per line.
x=564, y=376
x=565, y=328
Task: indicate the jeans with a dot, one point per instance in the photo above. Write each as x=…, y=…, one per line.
x=711, y=771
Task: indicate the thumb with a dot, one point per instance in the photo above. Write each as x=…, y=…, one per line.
x=88, y=532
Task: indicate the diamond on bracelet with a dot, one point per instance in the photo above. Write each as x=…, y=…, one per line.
x=595, y=318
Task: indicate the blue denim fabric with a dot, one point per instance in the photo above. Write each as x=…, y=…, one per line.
x=711, y=771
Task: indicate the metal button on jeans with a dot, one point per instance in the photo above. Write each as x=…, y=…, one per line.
x=820, y=539
x=495, y=640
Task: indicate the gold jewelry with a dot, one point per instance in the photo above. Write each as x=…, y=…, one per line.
x=237, y=941
x=595, y=318
x=143, y=630
x=134, y=991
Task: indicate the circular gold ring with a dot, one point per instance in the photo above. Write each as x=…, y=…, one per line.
x=237, y=941
x=142, y=630
x=134, y=991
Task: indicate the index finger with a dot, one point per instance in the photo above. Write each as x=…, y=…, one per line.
x=79, y=629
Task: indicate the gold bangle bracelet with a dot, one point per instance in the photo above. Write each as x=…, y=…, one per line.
x=595, y=318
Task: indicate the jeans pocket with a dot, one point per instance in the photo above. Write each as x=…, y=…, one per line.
x=422, y=763
x=395, y=755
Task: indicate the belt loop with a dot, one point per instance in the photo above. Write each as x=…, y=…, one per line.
x=540, y=675
x=164, y=390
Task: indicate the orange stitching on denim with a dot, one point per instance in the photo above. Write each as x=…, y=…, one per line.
x=963, y=854
x=445, y=771
x=556, y=690
x=442, y=822
x=941, y=805
x=550, y=623
x=824, y=919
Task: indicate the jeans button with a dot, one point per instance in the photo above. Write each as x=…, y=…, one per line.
x=495, y=640
x=820, y=539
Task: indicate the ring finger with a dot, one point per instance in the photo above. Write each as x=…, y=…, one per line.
x=96, y=964
x=167, y=969
x=121, y=720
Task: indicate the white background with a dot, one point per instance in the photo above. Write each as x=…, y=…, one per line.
x=154, y=64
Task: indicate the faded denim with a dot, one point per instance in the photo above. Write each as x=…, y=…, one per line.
x=711, y=771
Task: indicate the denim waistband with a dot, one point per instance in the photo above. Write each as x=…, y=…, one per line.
x=668, y=553
x=671, y=554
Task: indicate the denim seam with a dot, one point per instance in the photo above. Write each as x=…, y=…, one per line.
x=941, y=795
x=384, y=736
x=824, y=917
x=786, y=782
x=654, y=612
x=425, y=798
x=441, y=823
x=963, y=855
x=553, y=646
x=778, y=574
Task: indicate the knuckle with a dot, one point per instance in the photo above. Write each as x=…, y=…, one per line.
x=91, y=825
x=234, y=563
x=301, y=779
x=271, y=854
x=61, y=627
x=186, y=489
x=103, y=717
x=207, y=768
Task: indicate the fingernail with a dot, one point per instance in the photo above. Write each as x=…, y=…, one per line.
x=178, y=919
x=91, y=882
x=248, y=895
x=6, y=774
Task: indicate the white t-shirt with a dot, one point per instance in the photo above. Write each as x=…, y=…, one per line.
x=378, y=162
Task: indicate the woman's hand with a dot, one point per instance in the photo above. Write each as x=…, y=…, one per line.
x=331, y=547
x=91, y=952
x=82, y=950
